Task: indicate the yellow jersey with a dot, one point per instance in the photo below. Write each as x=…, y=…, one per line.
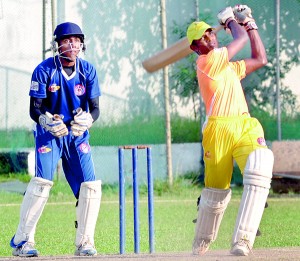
x=219, y=83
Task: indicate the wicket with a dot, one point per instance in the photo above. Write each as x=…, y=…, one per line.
x=135, y=186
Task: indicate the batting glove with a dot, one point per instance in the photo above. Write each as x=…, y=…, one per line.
x=242, y=14
x=82, y=121
x=225, y=16
x=54, y=124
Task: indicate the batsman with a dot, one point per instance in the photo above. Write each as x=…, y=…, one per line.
x=64, y=103
x=229, y=132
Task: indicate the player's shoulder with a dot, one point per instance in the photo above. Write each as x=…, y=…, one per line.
x=220, y=50
x=46, y=65
x=86, y=65
x=218, y=54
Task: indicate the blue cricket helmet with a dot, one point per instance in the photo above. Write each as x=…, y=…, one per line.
x=67, y=29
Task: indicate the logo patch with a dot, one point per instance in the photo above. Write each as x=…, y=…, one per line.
x=44, y=149
x=79, y=89
x=84, y=147
x=261, y=141
x=34, y=86
x=207, y=154
x=53, y=88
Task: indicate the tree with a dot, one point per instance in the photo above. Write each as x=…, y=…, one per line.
x=259, y=87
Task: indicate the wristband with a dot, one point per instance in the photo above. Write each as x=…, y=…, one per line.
x=230, y=19
x=251, y=25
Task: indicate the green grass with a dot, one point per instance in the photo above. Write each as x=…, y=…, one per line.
x=174, y=207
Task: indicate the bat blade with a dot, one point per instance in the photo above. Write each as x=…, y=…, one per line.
x=170, y=55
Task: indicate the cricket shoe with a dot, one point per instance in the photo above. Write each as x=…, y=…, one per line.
x=202, y=248
x=86, y=250
x=25, y=250
x=241, y=248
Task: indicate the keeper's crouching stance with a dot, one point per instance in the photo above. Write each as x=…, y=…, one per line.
x=257, y=180
x=64, y=104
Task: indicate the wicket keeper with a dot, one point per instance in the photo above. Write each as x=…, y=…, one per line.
x=64, y=103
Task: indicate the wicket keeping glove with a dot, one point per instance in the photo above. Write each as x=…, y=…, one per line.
x=82, y=121
x=242, y=14
x=225, y=16
x=54, y=124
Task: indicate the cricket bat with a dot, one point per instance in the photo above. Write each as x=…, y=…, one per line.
x=171, y=54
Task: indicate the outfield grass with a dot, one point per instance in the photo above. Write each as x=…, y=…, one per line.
x=174, y=208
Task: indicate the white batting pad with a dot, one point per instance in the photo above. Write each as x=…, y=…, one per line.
x=87, y=212
x=212, y=206
x=34, y=201
x=257, y=180
x=259, y=167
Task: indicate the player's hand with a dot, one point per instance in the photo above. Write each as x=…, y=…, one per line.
x=242, y=14
x=54, y=124
x=82, y=121
x=225, y=15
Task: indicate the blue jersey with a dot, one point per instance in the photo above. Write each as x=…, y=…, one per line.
x=63, y=93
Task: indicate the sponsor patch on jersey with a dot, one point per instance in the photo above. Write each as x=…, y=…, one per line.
x=207, y=154
x=53, y=88
x=261, y=141
x=79, y=89
x=84, y=147
x=44, y=149
x=34, y=86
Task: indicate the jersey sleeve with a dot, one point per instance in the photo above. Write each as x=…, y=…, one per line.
x=93, y=86
x=217, y=61
x=38, y=84
x=240, y=68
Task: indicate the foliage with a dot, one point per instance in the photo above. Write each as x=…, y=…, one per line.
x=260, y=87
x=23, y=177
x=183, y=130
x=13, y=161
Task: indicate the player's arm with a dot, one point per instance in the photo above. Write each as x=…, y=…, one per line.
x=35, y=108
x=240, y=38
x=94, y=108
x=52, y=123
x=83, y=120
x=258, y=53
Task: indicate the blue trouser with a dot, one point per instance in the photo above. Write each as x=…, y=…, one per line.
x=75, y=153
